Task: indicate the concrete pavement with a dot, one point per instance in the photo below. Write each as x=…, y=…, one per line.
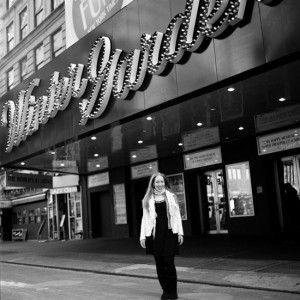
x=256, y=263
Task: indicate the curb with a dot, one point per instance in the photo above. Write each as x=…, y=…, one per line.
x=213, y=283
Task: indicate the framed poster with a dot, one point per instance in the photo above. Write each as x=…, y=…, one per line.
x=177, y=186
x=120, y=204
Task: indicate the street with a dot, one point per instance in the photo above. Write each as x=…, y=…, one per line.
x=26, y=282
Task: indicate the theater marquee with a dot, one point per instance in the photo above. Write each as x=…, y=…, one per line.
x=111, y=72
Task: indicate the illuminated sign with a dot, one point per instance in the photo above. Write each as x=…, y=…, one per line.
x=281, y=141
x=113, y=73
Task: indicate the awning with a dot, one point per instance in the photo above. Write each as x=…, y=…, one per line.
x=29, y=199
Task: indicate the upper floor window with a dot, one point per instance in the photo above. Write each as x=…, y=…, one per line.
x=10, y=36
x=57, y=43
x=24, y=29
x=56, y=3
x=39, y=56
x=38, y=12
x=23, y=68
x=10, y=79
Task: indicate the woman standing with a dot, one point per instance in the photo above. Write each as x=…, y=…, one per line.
x=162, y=232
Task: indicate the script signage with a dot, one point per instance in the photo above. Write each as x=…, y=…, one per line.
x=112, y=72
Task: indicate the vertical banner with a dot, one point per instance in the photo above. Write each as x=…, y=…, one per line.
x=83, y=16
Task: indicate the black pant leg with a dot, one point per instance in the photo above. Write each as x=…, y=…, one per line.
x=161, y=273
x=171, y=274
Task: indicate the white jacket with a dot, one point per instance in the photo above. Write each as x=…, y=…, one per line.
x=149, y=217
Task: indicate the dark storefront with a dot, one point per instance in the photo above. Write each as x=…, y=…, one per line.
x=214, y=120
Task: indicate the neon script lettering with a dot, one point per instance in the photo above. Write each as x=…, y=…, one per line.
x=113, y=73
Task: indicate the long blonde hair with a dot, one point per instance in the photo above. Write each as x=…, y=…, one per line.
x=150, y=188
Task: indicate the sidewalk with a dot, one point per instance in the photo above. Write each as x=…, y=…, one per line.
x=225, y=261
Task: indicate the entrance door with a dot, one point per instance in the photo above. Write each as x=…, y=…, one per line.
x=101, y=214
x=215, y=202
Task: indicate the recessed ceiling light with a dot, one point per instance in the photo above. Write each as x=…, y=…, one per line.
x=212, y=109
x=93, y=138
x=231, y=89
x=140, y=142
x=133, y=156
x=149, y=118
x=22, y=163
x=281, y=99
x=199, y=124
x=241, y=128
x=98, y=166
x=96, y=154
x=180, y=144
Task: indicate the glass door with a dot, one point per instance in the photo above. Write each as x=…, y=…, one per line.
x=216, y=203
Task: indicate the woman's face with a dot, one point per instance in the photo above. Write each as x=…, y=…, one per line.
x=159, y=183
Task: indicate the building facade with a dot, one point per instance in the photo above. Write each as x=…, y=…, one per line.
x=203, y=91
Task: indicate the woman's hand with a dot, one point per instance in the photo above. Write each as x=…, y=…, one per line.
x=180, y=239
x=143, y=243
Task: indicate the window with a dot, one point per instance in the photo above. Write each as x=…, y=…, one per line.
x=57, y=43
x=39, y=56
x=10, y=79
x=38, y=12
x=23, y=68
x=10, y=36
x=24, y=29
x=56, y=3
x=239, y=190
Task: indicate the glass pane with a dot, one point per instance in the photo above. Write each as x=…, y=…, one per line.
x=10, y=32
x=10, y=78
x=239, y=190
x=23, y=18
x=24, y=68
x=9, y=3
x=38, y=5
x=291, y=171
x=39, y=57
x=56, y=3
x=57, y=42
x=39, y=18
x=216, y=202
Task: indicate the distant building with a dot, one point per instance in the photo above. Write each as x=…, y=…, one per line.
x=32, y=34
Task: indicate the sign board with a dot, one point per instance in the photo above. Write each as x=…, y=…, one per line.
x=200, y=138
x=5, y=204
x=28, y=180
x=280, y=141
x=144, y=170
x=19, y=234
x=64, y=190
x=98, y=179
x=202, y=158
x=120, y=204
x=83, y=16
x=276, y=119
x=143, y=154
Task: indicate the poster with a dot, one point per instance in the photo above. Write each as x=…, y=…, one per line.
x=83, y=16
x=120, y=204
x=177, y=186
